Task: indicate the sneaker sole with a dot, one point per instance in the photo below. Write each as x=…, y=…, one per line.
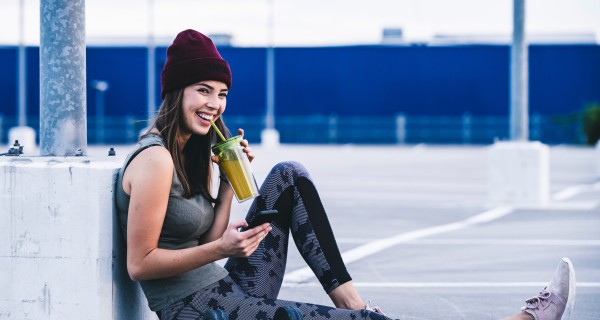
x=571, y=298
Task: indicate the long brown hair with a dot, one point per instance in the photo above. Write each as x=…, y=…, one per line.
x=194, y=166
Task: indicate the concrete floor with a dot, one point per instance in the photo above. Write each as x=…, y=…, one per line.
x=480, y=271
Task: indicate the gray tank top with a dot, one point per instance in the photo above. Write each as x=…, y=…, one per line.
x=185, y=221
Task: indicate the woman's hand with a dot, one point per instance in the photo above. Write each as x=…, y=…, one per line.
x=244, y=143
x=242, y=244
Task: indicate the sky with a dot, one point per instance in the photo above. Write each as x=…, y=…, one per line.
x=309, y=22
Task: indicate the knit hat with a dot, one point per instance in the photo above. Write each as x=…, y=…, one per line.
x=191, y=58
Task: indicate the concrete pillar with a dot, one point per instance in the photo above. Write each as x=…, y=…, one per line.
x=518, y=173
x=63, y=127
x=61, y=252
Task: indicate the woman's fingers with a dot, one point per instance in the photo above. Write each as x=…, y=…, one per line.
x=243, y=244
x=249, y=154
x=255, y=242
x=238, y=224
x=257, y=231
x=246, y=145
x=252, y=238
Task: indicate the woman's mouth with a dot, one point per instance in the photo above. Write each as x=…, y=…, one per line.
x=205, y=118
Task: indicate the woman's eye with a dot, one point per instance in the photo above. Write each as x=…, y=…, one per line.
x=203, y=90
x=223, y=95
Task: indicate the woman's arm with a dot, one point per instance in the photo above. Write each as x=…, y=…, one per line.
x=148, y=181
x=224, y=197
x=222, y=213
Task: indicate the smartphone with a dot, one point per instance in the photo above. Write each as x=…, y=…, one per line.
x=260, y=218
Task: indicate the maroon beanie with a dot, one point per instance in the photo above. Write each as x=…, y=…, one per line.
x=191, y=58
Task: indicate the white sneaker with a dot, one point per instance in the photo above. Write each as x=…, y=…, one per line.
x=555, y=301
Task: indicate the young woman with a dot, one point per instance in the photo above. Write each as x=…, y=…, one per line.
x=175, y=230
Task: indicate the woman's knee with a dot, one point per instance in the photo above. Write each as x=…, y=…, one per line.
x=290, y=169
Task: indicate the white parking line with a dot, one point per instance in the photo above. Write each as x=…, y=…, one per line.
x=376, y=246
x=445, y=284
x=561, y=206
x=510, y=242
x=485, y=242
x=569, y=193
x=573, y=191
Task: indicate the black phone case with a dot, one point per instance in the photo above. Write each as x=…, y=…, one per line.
x=260, y=218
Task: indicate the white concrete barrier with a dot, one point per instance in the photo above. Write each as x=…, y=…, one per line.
x=518, y=173
x=26, y=138
x=269, y=138
x=61, y=252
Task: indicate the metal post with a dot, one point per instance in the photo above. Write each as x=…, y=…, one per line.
x=100, y=87
x=400, y=128
x=22, y=76
x=536, y=126
x=151, y=66
x=63, y=123
x=270, y=116
x=467, y=122
x=519, y=130
x=269, y=136
x=130, y=129
x=332, y=128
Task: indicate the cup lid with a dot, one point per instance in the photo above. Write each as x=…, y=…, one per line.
x=219, y=147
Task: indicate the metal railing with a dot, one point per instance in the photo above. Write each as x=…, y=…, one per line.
x=399, y=129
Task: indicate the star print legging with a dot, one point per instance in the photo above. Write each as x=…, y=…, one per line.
x=250, y=291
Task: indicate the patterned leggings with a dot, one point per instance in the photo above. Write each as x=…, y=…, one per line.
x=250, y=291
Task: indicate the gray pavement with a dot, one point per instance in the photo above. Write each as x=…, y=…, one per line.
x=480, y=271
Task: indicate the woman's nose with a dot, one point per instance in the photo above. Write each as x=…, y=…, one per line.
x=213, y=103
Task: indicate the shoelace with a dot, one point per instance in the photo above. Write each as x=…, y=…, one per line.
x=540, y=299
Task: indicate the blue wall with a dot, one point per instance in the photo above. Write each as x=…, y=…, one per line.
x=8, y=80
x=382, y=80
x=355, y=80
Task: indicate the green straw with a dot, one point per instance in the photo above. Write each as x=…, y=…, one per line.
x=217, y=130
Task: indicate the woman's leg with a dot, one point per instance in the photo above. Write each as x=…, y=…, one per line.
x=345, y=296
x=289, y=189
x=226, y=295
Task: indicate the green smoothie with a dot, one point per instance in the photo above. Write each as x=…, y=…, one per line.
x=236, y=166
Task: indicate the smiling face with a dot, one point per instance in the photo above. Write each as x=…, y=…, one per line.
x=202, y=101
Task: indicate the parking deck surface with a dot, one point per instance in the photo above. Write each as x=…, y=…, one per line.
x=404, y=219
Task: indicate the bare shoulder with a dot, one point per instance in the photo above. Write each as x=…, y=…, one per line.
x=153, y=165
x=155, y=156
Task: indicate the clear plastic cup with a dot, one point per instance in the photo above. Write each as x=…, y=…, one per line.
x=236, y=166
